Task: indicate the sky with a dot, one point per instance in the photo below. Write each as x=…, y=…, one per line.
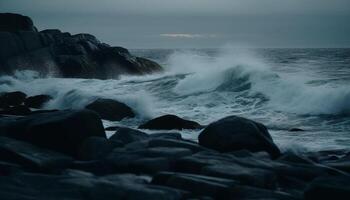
x=195, y=23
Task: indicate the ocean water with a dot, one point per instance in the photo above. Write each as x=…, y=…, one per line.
x=281, y=88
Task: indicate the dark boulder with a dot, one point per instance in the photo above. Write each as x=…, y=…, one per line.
x=62, y=131
x=110, y=109
x=237, y=133
x=295, y=130
x=37, y=101
x=12, y=98
x=16, y=110
x=329, y=188
x=168, y=122
x=31, y=157
x=15, y=22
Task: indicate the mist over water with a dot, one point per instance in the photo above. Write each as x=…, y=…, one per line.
x=282, y=88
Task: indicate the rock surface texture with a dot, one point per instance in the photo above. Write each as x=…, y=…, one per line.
x=62, y=54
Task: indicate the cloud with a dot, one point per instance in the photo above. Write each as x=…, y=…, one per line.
x=187, y=35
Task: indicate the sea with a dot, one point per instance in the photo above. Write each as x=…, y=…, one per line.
x=282, y=88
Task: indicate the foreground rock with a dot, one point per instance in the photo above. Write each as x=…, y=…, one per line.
x=62, y=54
x=11, y=99
x=62, y=131
x=236, y=133
x=31, y=157
x=110, y=109
x=169, y=122
x=37, y=101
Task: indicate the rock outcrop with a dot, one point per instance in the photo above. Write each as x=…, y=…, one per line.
x=62, y=54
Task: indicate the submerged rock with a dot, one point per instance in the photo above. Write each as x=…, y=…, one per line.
x=236, y=133
x=110, y=109
x=168, y=122
x=62, y=131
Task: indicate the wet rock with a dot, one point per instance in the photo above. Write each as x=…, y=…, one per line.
x=61, y=131
x=111, y=109
x=12, y=98
x=247, y=192
x=168, y=122
x=16, y=110
x=31, y=157
x=37, y=101
x=217, y=188
x=176, y=143
x=246, y=176
x=329, y=187
x=94, y=148
x=128, y=135
x=148, y=160
x=236, y=133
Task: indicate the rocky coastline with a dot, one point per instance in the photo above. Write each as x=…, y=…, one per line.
x=66, y=154
x=61, y=54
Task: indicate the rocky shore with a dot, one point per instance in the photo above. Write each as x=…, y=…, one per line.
x=65, y=154
x=61, y=54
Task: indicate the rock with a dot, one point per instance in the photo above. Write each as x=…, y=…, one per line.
x=94, y=148
x=128, y=135
x=246, y=176
x=164, y=142
x=15, y=22
x=111, y=109
x=16, y=110
x=31, y=157
x=80, y=186
x=37, y=101
x=247, y=192
x=61, y=131
x=235, y=133
x=12, y=98
x=81, y=55
x=329, y=187
x=217, y=188
x=168, y=122
x=146, y=160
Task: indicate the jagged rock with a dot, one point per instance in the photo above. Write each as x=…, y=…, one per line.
x=80, y=55
x=236, y=133
x=37, y=101
x=62, y=131
x=168, y=122
x=110, y=109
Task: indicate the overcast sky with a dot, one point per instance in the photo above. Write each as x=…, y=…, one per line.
x=195, y=23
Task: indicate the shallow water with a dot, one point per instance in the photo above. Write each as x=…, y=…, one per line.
x=282, y=88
